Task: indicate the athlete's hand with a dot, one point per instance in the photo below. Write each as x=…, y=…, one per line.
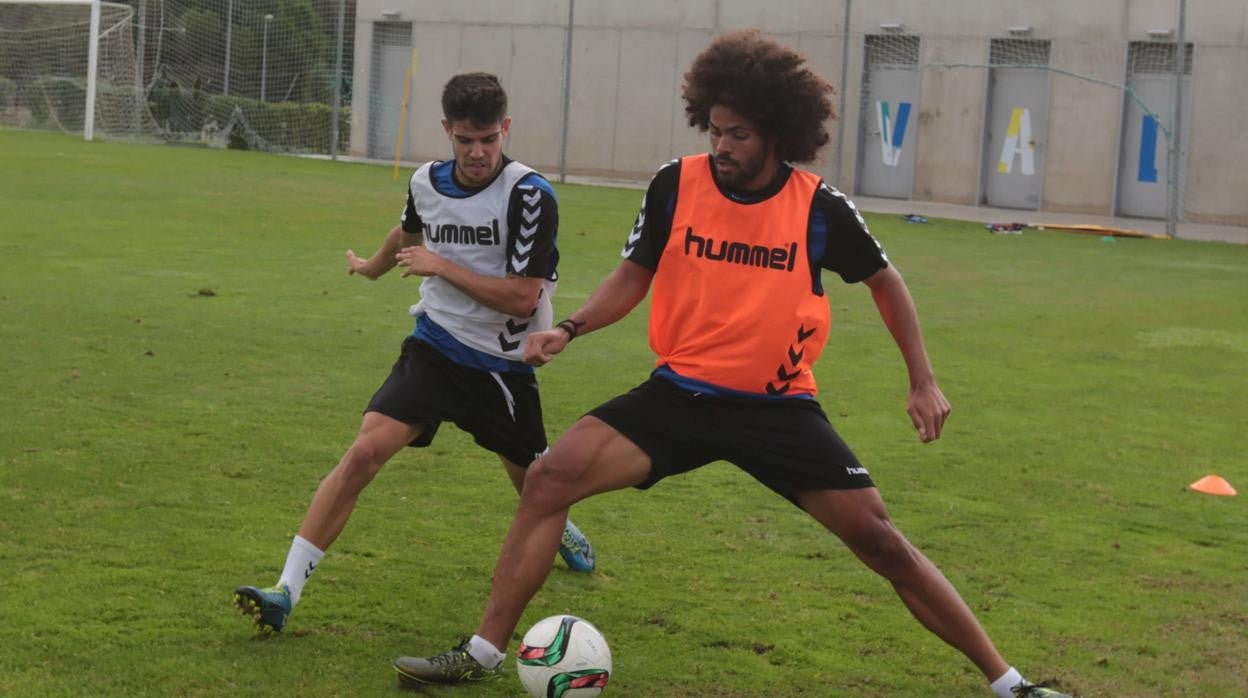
x=358, y=265
x=418, y=260
x=541, y=347
x=928, y=410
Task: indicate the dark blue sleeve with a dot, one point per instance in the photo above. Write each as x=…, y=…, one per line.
x=533, y=226
x=840, y=239
x=653, y=224
x=409, y=219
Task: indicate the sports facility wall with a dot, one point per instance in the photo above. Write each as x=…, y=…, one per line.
x=626, y=61
x=1065, y=105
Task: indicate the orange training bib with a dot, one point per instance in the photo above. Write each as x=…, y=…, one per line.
x=732, y=301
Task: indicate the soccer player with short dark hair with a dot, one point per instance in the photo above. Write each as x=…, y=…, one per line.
x=730, y=246
x=480, y=229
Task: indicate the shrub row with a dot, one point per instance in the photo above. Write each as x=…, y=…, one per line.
x=301, y=126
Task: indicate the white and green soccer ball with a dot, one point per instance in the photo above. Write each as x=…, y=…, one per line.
x=563, y=657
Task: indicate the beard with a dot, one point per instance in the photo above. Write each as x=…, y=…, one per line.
x=738, y=173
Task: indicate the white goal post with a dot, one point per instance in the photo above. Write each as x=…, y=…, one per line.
x=71, y=65
x=93, y=54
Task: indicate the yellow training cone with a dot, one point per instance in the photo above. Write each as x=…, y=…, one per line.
x=1212, y=484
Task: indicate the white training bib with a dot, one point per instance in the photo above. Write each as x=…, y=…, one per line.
x=472, y=231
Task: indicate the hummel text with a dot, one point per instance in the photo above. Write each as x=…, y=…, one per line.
x=781, y=258
x=451, y=234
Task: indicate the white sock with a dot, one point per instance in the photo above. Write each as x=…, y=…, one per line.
x=301, y=562
x=1008, y=680
x=484, y=651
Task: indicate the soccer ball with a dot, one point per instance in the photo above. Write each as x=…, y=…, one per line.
x=563, y=656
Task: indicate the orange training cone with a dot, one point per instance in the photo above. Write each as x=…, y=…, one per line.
x=1212, y=484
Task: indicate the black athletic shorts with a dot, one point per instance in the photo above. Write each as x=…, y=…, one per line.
x=788, y=445
x=502, y=411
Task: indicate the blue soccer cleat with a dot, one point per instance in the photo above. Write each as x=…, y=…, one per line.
x=575, y=549
x=268, y=608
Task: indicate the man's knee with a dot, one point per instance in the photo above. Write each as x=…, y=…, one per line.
x=884, y=549
x=361, y=462
x=548, y=484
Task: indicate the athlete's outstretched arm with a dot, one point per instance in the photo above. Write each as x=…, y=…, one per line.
x=383, y=259
x=513, y=295
x=614, y=298
x=927, y=406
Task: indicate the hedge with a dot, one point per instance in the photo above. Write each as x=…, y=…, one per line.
x=301, y=126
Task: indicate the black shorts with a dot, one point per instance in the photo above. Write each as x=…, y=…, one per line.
x=788, y=445
x=502, y=411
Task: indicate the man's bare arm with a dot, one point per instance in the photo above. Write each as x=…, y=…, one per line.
x=383, y=259
x=614, y=298
x=927, y=405
x=513, y=295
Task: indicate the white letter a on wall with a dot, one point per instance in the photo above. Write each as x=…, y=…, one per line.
x=1018, y=142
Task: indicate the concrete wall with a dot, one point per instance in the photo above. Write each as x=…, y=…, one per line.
x=1081, y=165
x=950, y=126
x=525, y=53
x=628, y=61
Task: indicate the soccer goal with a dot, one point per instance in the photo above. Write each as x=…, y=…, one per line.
x=224, y=73
x=70, y=65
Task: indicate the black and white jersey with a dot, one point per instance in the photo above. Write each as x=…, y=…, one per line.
x=505, y=228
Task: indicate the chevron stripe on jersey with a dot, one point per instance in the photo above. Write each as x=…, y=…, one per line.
x=472, y=230
x=634, y=236
x=530, y=213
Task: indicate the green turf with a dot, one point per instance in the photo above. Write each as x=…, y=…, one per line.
x=184, y=357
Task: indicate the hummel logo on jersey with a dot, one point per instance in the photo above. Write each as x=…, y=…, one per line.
x=451, y=234
x=781, y=258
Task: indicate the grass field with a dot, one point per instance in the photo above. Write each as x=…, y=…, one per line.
x=184, y=356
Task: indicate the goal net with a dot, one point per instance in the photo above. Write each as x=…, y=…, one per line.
x=256, y=74
x=44, y=68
